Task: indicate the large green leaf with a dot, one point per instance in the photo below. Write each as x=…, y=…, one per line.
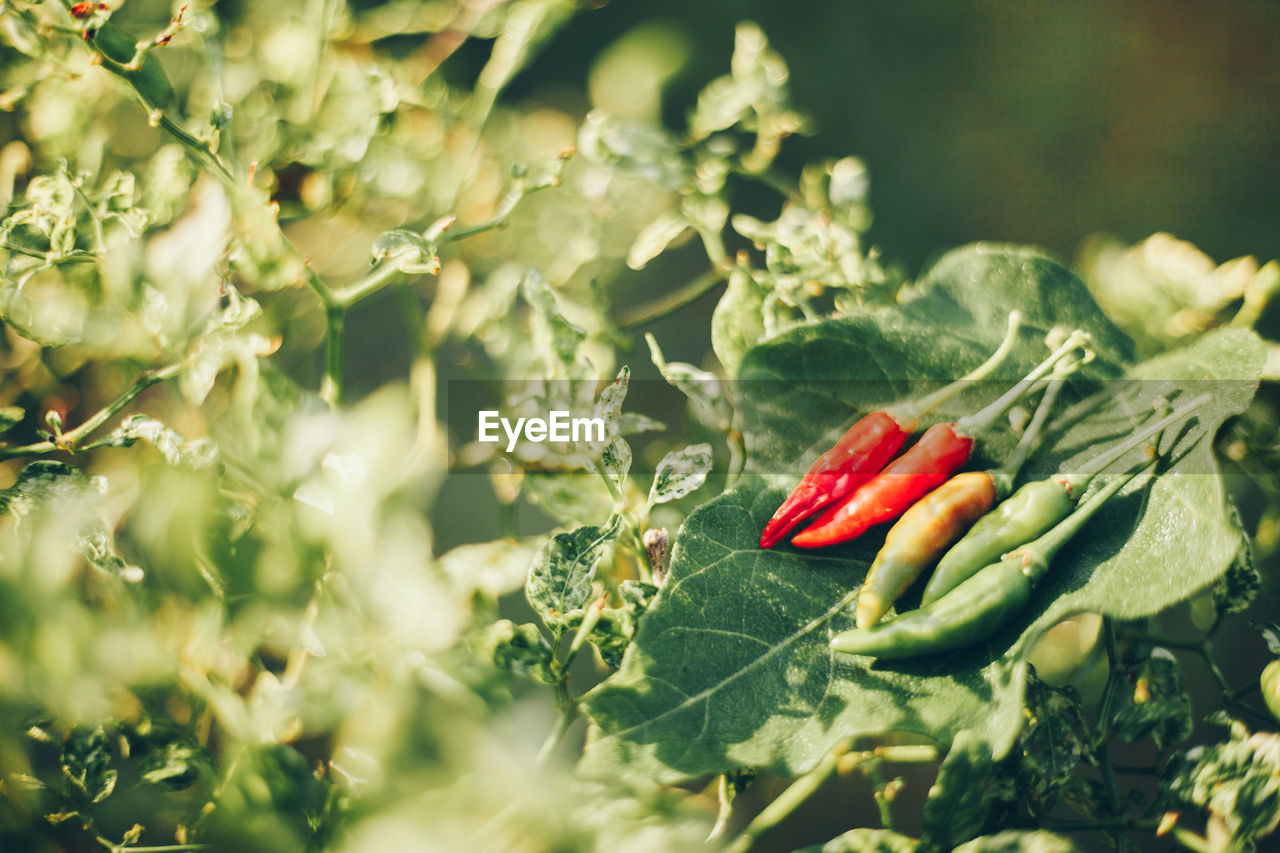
x=731, y=665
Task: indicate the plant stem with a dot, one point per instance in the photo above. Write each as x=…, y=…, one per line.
x=1109, y=825
x=1101, y=751
x=879, y=790
x=787, y=802
x=737, y=454
x=1204, y=649
x=632, y=524
x=673, y=301
x=1132, y=770
x=563, y=724
x=76, y=256
x=565, y=703
x=70, y=441
x=381, y=275
x=725, y=811
x=1191, y=840
x=1108, y=691
x=331, y=385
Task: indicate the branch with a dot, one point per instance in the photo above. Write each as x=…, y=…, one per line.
x=71, y=441
x=787, y=802
x=673, y=301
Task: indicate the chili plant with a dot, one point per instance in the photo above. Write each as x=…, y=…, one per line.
x=266, y=583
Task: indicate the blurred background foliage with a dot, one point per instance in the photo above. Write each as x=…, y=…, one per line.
x=189, y=641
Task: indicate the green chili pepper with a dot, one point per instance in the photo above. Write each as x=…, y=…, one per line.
x=118, y=52
x=1270, y=683
x=1033, y=509
x=979, y=605
x=923, y=532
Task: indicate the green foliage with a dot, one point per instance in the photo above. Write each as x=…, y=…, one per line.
x=1237, y=782
x=86, y=761
x=1157, y=705
x=960, y=801
x=246, y=250
x=562, y=570
x=762, y=619
x=870, y=840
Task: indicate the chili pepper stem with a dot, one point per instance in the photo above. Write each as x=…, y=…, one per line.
x=1076, y=482
x=908, y=413
x=983, y=419
x=1006, y=473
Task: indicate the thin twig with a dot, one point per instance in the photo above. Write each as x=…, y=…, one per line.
x=787, y=802
x=70, y=441
x=673, y=301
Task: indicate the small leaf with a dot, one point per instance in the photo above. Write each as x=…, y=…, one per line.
x=572, y=497
x=174, y=765
x=960, y=801
x=680, y=472
x=1237, y=781
x=1156, y=704
x=635, y=147
x=654, y=239
x=1238, y=587
x=86, y=762
x=609, y=405
x=1086, y=796
x=413, y=253
x=616, y=626
x=177, y=451
x=704, y=390
x=43, y=484
x=562, y=571
x=1054, y=741
x=494, y=568
x=616, y=460
x=1020, y=841
x=10, y=417
x=631, y=423
x=737, y=324
x=98, y=547
x=1269, y=683
x=866, y=841
x=522, y=649
x=611, y=634
x=554, y=336
x=1270, y=632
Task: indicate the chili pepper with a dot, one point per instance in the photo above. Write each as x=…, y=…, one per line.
x=925, y=530
x=980, y=605
x=866, y=448
x=1270, y=684
x=1031, y=511
x=935, y=457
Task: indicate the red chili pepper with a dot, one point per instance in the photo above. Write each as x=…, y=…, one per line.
x=927, y=465
x=935, y=457
x=866, y=448
x=856, y=458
